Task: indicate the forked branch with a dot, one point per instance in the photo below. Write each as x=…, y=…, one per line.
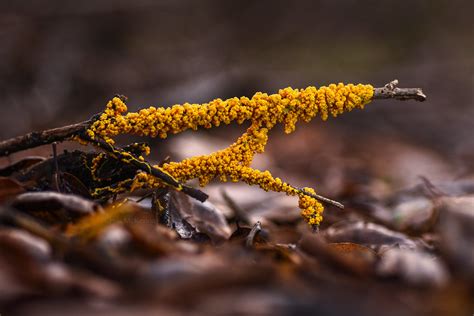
x=35, y=139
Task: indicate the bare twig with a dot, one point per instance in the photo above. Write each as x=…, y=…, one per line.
x=321, y=198
x=253, y=233
x=56, y=175
x=35, y=139
x=390, y=91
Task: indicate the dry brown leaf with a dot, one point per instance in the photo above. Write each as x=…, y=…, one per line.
x=413, y=267
x=456, y=227
x=9, y=188
x=189, y=217
x=355, y=252
x=20, y=165
x=54, y=207
x=336, y=258
x=368, y=234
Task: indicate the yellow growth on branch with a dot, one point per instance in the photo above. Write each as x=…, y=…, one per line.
x=264, y=111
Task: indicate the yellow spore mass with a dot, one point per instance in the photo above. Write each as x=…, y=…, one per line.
x=264, y=111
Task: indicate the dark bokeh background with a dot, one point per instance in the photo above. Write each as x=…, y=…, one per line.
x=60, y=61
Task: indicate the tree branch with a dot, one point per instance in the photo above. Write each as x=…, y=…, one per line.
x=35, y=139
x=129, y=158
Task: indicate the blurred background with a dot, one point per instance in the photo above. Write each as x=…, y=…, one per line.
x=60, y=61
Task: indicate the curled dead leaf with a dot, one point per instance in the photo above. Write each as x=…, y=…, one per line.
x=188, y=217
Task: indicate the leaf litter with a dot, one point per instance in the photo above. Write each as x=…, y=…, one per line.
x=242, y=252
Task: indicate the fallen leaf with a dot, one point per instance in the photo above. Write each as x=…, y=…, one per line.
x=456, y=227
x=416, y=215
x=71, y=184
x=168, y=207
x=20, y=165
x=355, y=252
x=413, y=267
x=91, y=226
x=368, y=234
x=410, y=211
x=157, y=240
x=339, y=256
x=9, y=188
x=31, y=271
x=188, y=217
x=54, y=207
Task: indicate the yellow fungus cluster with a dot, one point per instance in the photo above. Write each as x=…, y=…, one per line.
x=264, y=111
